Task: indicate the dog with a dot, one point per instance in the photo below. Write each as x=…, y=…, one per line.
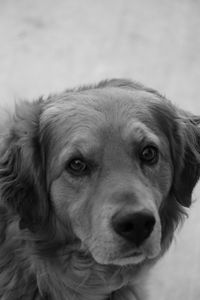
x=93, y=183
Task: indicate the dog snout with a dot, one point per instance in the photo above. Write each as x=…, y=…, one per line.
x=134, y=227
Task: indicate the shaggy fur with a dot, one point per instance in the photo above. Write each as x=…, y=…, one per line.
x=56, y=236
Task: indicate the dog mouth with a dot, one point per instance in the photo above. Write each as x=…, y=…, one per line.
x=130, y=258
x=132, y=254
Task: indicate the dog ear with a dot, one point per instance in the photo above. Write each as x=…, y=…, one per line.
x=189, y=164
x=22, y=167
x=183, y=132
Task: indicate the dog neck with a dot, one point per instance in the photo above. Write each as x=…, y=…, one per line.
x=66, y=275
x=77, y=276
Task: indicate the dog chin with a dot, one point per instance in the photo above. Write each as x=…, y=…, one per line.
x=133, y=259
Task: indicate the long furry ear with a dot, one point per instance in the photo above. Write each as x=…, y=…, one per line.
x=189, y=168
x=183, y=132
x=22, y=167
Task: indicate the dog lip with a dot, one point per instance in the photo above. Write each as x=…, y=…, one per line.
x=133, y=254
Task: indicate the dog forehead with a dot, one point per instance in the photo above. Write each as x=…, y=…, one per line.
x=98, y=113
x=90, y=121
x=112, y=106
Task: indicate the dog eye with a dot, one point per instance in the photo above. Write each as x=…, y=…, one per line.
x=77, y=167
x=149, y=155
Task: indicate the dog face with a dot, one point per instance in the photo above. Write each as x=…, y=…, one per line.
x=113, y=172
x=114, y=162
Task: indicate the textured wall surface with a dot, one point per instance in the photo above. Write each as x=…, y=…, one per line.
x=47, y=46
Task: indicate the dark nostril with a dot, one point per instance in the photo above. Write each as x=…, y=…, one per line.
x=125, y=227
x=134, y=227
x=149, y=224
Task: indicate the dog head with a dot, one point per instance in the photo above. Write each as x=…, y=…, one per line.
x=114, y=162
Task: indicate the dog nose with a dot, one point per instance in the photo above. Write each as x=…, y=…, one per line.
x=134, y=227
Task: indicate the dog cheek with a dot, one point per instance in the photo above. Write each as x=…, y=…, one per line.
x=59, y=199
x=80, y=212
x=162, y=183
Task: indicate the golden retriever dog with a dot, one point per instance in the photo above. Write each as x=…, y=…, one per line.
x=93, y=183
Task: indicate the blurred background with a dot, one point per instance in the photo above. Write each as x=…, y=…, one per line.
x=47, y=46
